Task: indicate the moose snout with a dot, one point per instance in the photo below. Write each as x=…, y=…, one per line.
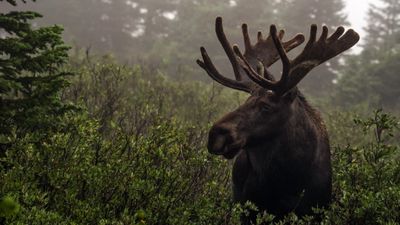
x=219, y=138
x=223, y=140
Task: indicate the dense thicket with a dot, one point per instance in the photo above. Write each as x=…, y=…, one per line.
x=125, y=144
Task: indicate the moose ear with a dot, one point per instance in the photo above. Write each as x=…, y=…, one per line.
x=290, y=95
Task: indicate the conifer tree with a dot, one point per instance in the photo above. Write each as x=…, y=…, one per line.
x=383, y=30
x=31, y=77
x=30, y=82
x=372, y=77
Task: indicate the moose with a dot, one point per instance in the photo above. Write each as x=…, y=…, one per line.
x=279, y=142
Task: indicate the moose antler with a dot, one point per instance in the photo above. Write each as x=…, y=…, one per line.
x=314, y=53
x=263, y=51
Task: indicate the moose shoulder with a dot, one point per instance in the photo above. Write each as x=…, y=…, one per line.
x=280, y=142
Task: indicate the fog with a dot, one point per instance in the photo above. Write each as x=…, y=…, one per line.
x=168, y=34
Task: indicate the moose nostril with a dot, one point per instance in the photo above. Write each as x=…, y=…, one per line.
x=218, y=138
x=216, y=145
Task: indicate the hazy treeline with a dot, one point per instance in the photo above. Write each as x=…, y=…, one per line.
x=167, y=35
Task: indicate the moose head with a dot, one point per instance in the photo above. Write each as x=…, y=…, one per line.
x=280, y=142
x=271, y=102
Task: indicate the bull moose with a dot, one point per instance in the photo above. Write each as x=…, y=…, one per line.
x=280, y=143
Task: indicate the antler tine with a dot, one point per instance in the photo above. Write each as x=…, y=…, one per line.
x=246, y=38
x=277, y=86
x=212, y=71
x=209, y=67
x=265, y=51
x=292, y=43
x=314, y=53
x=318, y=52
x=219, y=30
x=339, y=31
x=269, y=50
x=252, y=74
x=282, y=54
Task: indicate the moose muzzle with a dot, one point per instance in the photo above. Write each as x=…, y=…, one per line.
x=222, y=140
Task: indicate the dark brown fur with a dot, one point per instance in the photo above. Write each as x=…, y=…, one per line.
x=283, y=159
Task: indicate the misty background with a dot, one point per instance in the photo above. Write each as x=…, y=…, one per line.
x=166, y=36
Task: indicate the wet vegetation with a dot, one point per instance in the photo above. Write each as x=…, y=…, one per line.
x=117, y=134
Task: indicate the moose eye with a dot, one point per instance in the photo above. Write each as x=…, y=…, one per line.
x=266, y=108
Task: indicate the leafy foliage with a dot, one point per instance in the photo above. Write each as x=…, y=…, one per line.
x=8, y=207
x=135, y=152
x=79, y=177
x=367, y=175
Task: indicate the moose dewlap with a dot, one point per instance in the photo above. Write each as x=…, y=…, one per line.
x=280, y=142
